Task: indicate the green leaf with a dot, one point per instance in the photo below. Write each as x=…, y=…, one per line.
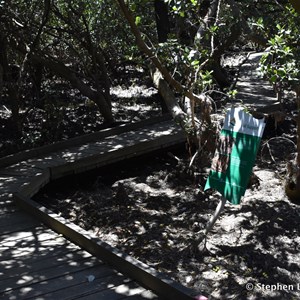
x=195, y=63
x=281, y=72
x=273, y=78
x=137, y=20
x=133, y=7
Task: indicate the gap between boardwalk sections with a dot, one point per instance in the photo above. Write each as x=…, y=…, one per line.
x=29, y=171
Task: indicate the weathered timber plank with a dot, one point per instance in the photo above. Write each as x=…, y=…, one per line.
x=22, y=267
x=135, y=269
x=23, y=169
x=41, y=231
x=7, y=207
x=33, y=250
x=25, y=239
x=10, y=184
x=81, y=289
x=28, y=225
x=45, y=283
x=36, y=183
x=252, y=89
x=144, y=295
x=89, y=264
x=11, y=187
x=126, y=290
x=11, y=219
x=21, y=156
x=97, y=161
x=6, y=178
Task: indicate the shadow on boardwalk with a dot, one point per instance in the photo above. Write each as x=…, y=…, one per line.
x=252, y=89
x=41, y=264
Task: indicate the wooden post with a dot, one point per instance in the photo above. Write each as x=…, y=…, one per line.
x=201, y=242
x=215, y=216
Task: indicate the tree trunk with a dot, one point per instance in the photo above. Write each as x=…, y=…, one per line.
x=163, y=29
x=169, y=98
x=106, y=81
x=64, y=72
x=37, y=76
x=162, y=20
x=101, y=78
x=209, y=8
x=219, y=74
x=98, y=71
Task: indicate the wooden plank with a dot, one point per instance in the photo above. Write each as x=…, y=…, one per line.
x=58, y=278
x=23, y=169
x=33, y=250
x=123, y=291
x=41, y=231
x=5, y=196
x=6, y=204
x=18, y=227
x=10, y=188
x=9, y=184
x=82, y=289
x=252, y=89
x=22, y=267
x=30, y=238
x=43, y=162
x=8, y=209
x=9, y=220
x=21, y=156
x=35, y=183
x=135, y=269
x=144, y=295
x=89, y=264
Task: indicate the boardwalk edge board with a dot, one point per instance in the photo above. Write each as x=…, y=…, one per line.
x=90, y=137
x=142, y=273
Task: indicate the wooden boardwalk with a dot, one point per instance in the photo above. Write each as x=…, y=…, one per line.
x=40, y=263
x=254, y=91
